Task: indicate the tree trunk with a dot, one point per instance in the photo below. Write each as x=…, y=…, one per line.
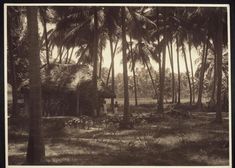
x=112, y=64
x=219, y=50
x=162, y=79
x=151, y=77
x=101, y=59
x=36, y=149
x=204, y=58
x=126, y=114
x=95, y=55
x=212, y=100
x=133, y=70
x=187, y=71
x=191, y=63
x=172, y=71
x=178, y=64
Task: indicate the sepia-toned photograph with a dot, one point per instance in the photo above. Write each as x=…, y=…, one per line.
x=117, y=84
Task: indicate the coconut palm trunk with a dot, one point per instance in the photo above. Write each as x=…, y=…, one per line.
x=187, y=71
x=133, y=70
x=178, y=65
x=126, y=114
x=162, y=80
x=191, y=63
x=101, y=59
x=36, y=149
x=172, y=70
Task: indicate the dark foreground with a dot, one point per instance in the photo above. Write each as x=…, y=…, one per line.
x=154, y=140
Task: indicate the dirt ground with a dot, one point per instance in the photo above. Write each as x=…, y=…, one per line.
x=154, y=140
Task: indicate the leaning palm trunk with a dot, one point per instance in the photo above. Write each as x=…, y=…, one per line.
x=187, y=71
x=36, y=150
x=126, y=115
x=151, y=77
x=204, y=58
x=172, y=71
x=191, y=63
x=177, y=45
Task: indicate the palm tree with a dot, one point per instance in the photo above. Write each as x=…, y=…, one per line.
x=36, y=149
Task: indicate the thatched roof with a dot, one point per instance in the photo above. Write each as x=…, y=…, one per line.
x=68, y=78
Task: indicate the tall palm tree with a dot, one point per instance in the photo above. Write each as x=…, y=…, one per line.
x=36, y=149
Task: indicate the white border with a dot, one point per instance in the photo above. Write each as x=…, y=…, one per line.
x=116, y=4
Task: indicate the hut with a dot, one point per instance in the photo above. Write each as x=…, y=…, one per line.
x=67, y=90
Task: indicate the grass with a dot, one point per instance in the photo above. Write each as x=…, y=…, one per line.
x=154, y=140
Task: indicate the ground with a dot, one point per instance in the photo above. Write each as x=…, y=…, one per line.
x=155, y=139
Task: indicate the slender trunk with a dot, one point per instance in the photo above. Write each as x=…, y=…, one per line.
x=133, y=70
x=126, y=114
x=95, y=55
x=151, y=77
x=187, y=71
x=219, y=50
x=172, y=72
x=36, y=149
x=204, y=58
x=101, y=57
x=112, y=64
x=162, y=79
x=71, y=54
x=191, y=63
x=214, y=81
x=178, y=64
